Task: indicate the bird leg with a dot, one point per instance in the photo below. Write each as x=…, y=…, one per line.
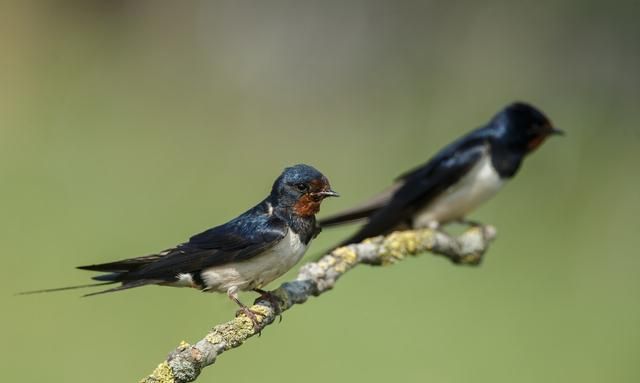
x=232, y=293
x=273, y=299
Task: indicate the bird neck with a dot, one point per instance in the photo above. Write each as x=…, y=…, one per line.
x=303, y=225
x=506, y=158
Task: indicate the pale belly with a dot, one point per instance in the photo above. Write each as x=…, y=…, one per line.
x=476, y=187
x=258, y=271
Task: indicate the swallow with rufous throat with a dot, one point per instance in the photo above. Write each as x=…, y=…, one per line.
x=243, y=254
x=457, y=180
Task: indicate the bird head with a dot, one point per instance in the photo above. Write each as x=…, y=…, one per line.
x=522, y=125
x=302, y=188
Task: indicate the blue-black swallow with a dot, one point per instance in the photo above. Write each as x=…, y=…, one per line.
x=458, y=179
x=243, y=254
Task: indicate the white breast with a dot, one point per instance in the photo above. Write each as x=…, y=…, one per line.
x=480, y=184
x=258, y=271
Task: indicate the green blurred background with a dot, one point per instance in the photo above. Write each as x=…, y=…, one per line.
x=126, y=126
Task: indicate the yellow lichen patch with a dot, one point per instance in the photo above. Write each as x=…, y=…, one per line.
x=472, y=259
x=346, y=254
x=425, y=240
x=402, y=243
x=183, y=345
x=241, y=328
x=233, y=333
x=261, y=311
x=341, y=268
x=214, y=338
x=397, y=246
x=162, y=374
x=374, y=240
x=327, y=262
x=345, y=258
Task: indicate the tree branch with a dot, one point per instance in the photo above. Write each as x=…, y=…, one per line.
x=185, y=363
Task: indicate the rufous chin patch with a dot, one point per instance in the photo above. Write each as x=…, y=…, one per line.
x=306, y=206
x=534, y=143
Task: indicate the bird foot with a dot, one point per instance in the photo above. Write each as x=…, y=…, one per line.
x=273, y=299
x=252, y=316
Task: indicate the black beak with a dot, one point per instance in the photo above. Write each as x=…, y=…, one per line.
x=557, y=132
x=328, y=193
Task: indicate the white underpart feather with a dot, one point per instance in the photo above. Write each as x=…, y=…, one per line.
x=184, y=280
x=480, y=184
x=257, y=271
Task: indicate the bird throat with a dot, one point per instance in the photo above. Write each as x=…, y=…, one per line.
x=306, y=206
x=534, y=143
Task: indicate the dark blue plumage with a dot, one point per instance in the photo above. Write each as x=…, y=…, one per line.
x=245, y=253
x=457, y=179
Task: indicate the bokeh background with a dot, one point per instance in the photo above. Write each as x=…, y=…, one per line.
x=126, y=126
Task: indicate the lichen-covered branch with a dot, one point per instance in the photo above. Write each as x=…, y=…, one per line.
x=185, y=362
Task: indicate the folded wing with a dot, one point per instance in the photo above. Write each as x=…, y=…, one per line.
x=421, y=186
x=235, y=241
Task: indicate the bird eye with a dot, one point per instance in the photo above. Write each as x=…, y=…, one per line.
x=302, y=187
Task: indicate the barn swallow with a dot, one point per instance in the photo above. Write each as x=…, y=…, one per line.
x=458, y=179
x=243, y=254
